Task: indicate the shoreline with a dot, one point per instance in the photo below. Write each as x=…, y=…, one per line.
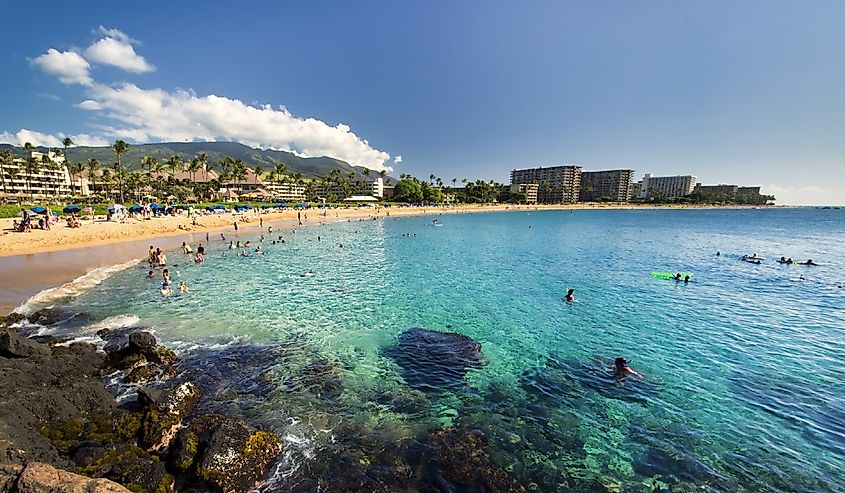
x=54, y=258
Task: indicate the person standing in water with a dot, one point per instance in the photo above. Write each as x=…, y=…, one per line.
x=621, y=368
x=236, y=226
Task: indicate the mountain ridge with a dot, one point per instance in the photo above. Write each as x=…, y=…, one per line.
x=309, y=167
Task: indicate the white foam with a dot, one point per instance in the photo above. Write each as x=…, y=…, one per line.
x=72, y=289
x=116, y=322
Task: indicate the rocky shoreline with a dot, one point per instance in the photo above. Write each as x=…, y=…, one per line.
x=56, y=415
x=61, y=430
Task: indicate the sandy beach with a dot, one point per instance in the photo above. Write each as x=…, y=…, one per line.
x=39, y=260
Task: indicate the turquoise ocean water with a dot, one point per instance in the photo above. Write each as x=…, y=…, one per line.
x=744, y=368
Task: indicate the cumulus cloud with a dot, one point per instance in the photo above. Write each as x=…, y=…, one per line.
x=155, y=114
x=115, y=48
x=70, y=67
x=144, y=115
x=49, y=140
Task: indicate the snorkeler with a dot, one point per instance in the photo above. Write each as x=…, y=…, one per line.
x=621, y=368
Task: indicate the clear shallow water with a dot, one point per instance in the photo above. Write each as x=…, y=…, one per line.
x=743, y=386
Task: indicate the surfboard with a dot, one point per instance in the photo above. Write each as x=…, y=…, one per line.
x=670, y=275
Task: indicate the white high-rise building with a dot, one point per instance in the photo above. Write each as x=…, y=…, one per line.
x=666, y=187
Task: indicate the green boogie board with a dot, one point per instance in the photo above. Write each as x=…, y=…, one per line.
x=670, y=275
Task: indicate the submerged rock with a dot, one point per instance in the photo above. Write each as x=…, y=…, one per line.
x=237, y=456
x=434, y=361
x=164, y=416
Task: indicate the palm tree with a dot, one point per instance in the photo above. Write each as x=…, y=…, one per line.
x=67, y=142
x=31, y=166
x=150, y=162
x=431, y=178
x=6, y=160
x=382, y=173
x=258, y=170
x=367, y=172
x=239, y=173
x=173, y=164
x=120, y=148
x=93, y=166
x=202, y=163
x=454, y=182
x=281, y=169
x=48, y=164
x=225, y=172
x=75, y=169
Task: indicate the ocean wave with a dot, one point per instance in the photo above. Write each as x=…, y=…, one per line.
x=72, y=289
x=116, y=322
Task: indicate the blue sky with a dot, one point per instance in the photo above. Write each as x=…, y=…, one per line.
x=748, y=92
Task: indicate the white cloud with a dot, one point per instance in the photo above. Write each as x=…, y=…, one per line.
x=115, y=48
x=48, y=140
x=156, y=114
x=397, y=159
x=68, y=66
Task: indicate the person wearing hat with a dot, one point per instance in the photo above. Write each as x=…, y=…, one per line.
x=621, y=368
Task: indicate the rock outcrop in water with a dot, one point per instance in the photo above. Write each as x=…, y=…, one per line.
x=54, y=408
x=435, y=361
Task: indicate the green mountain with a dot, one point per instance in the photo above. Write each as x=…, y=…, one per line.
x=310, y=167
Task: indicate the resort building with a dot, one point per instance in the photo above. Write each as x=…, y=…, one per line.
x=725, y=190
x=666, y=187
x=555, y=185
x=38, y=175
x=612, y=185
x=748, y=191
x=529, y=189
x=290, y=192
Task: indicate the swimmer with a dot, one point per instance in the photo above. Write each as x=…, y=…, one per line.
x=248, y=243
x=686, y=279
x=570, y=295
x=231, y=245
x=201, y=249
x=270, y=230
x=621, y=368
x=808, y=262
x=309, y=273
x=239, y=244
x=166, y=290
x=183, y=287
x=243, y=253
x=199, y=258
x=165, y=274
x=718, y=254
x=341, y=245
x=258, y=249
x=222, y=238
x=678, y=276
x=186, y=248
x=150, y=274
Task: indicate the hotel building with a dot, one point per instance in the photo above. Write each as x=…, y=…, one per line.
x=555, y=185
x=666, y=187
x=613, y=185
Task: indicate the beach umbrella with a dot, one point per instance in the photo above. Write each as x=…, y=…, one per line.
x=136, y=208
x=265, y=207
x=39, y=210
x=71, y=209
